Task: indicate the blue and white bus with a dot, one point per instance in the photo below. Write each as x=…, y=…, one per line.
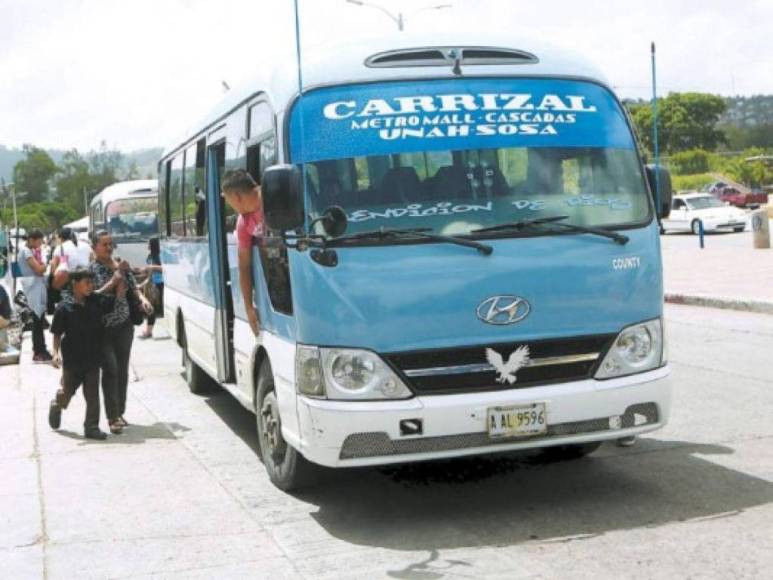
x=463, y=258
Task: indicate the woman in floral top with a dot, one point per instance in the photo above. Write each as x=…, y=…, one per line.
x=119, y=331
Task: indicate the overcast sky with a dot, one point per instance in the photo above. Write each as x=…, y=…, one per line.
x=135, y=72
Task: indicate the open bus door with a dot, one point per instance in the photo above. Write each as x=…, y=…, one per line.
x=224, y=312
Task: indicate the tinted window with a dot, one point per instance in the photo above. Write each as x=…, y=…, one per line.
x=163, y=176
x=261, y=120
x=176, y=209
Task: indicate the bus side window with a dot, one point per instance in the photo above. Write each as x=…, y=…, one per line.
x=195, y=200
x=163, y=205
x=176, y=208
x=200, y=188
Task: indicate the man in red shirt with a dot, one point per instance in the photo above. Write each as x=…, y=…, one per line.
x=243, y=195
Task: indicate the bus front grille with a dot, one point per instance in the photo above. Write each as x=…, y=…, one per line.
x=466, y=369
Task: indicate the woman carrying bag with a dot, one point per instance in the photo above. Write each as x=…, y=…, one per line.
x=119, y=331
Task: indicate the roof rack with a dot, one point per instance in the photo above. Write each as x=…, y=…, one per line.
x=450, y=56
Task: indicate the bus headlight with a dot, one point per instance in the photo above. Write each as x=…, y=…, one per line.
x=636, y=349
x=346, y=374
x=360, y=375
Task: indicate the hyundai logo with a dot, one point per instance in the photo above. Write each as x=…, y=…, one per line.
x=503, y=310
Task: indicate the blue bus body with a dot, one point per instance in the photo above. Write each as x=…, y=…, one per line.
x=421, y=332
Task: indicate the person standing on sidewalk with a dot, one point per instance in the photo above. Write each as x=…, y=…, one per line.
x=78, y=325
x=119, y=330
x=5, y=318
x=33, y=270
x=156, y=278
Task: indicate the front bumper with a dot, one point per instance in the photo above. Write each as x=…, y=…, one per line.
x=713, y=225
x=339, y=434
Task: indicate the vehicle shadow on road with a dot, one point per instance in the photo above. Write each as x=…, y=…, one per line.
x=134, y=434
x=507, y=499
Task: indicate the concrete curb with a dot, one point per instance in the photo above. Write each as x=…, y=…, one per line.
x=719, y=302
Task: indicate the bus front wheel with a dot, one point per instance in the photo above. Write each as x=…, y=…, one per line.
x=286, y=467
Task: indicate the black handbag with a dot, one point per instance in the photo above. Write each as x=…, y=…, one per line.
x=53, y=296
x=136, y=313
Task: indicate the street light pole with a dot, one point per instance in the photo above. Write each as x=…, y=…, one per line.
x=399, y=19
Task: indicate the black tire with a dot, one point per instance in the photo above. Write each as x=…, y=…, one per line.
x=568, y=452
x=739, y=229
x=695, y=227
x=287, y=468
x=198, y=381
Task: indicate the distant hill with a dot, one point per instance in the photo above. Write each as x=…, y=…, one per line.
x=747, y=112
x=145, y=160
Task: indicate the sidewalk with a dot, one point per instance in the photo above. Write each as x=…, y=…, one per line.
x=140, y=504
x=727, y=273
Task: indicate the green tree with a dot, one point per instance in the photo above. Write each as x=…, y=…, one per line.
x=751, y=173
x=133, y=171
x=689, y=162
x=685, y=121
x=33, y=173
x=74, y=178
x=105, y=166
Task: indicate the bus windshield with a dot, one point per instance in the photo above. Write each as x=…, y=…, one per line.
x=455, y=192
x=132, y=219
x=455, y=156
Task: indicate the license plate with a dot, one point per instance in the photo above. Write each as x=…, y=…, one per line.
x=517, y=421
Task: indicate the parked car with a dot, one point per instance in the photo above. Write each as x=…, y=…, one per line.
x=714, y=187
x=737, y=198
x=688, y=210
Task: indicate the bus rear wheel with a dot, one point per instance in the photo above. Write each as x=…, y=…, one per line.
x=287, y=468
x=198, y=381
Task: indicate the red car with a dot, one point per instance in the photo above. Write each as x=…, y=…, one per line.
x=734, y=197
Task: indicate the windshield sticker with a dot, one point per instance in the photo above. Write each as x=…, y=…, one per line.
x=529, y=204
x=590, y=200
x=417, y=210
x=389, y=118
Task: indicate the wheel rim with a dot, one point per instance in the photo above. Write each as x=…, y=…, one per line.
x=271, y=429
x=696, y=229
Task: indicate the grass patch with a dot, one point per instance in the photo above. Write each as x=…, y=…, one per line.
x=691, y=182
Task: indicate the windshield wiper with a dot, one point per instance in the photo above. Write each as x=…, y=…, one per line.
x=555, y=220
x=385, y=233
x=521, y=224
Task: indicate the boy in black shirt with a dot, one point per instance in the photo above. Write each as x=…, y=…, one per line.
x=78, y=327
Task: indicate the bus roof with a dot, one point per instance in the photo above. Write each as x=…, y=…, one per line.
x=405, y=56
x=123, y=189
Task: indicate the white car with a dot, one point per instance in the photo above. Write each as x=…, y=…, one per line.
x=688, y=210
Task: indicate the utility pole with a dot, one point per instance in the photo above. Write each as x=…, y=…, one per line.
x=655, y=144
x=399, y=19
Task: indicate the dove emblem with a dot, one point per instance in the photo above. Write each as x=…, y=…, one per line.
x=507, y=370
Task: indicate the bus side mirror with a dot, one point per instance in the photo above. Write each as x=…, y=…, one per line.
x=663, y=179
x=282, y=198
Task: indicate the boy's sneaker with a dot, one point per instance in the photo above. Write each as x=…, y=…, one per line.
x=95, y=434
x=54, y=414
x=42, y=358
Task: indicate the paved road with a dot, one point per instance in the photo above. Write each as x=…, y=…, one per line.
x=728, y=268
x=182, y=494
